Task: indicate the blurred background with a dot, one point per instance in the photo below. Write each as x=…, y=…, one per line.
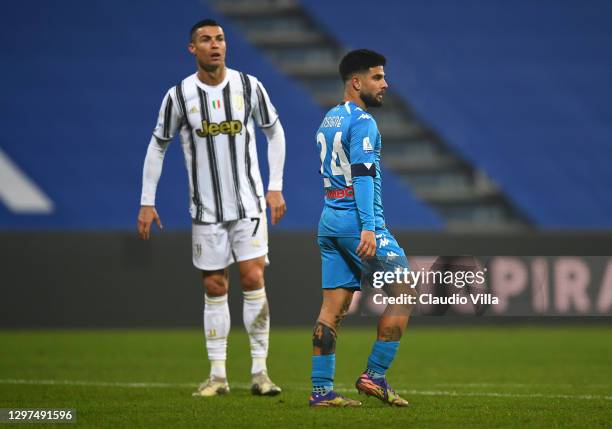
x=497, y=136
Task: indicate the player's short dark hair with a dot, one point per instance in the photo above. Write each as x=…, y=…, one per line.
x=203, y=23
x=359, y=60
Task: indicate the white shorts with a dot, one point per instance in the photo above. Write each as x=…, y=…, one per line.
x=218, y=245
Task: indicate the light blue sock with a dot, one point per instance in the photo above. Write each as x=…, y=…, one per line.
x=383, y=353
x=323, y=369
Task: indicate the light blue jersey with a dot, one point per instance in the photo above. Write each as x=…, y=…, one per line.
x=349, y=146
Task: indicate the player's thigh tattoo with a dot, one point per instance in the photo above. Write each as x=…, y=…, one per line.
x=323, y=339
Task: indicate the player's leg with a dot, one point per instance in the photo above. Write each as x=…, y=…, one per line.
x=255, y=311
x=333, y=310
x=339, y=284
x=249, y=241
x=373, y=381
x=217, y=324
x=256, y=317
x=391, y=326
x=211, y=255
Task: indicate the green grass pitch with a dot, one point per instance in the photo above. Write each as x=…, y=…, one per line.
x=454, y=377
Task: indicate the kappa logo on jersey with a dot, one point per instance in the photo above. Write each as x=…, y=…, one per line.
x=214, y=129
x=364, y=116
x=367, y=146
x=384, y=241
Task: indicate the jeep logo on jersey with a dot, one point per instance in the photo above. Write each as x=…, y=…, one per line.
x=226, y=127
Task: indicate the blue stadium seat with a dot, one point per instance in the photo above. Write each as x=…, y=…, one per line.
x=521, y=89
x=83, y=82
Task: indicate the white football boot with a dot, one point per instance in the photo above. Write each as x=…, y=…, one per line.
x=213, y=386
x=263, y=386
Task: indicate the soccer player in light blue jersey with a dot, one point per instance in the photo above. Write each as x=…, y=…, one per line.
x=352, y=229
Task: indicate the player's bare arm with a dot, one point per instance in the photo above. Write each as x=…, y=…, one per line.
x=146, y=216
x=277, y=205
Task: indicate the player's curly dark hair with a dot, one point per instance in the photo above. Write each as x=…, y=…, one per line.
x=203, y=23
x=359, y=60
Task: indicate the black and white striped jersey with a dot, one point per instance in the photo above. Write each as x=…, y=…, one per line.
x=217, y=134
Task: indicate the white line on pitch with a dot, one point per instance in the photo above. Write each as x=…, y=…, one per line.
x=559, y=385
x=95, y=383
x=504, y=395
x=301, y=387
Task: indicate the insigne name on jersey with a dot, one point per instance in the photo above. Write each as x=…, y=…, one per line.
x=332, y=122
x=214, y=129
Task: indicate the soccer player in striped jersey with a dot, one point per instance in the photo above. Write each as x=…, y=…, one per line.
x=214, y=111
x=352, y=229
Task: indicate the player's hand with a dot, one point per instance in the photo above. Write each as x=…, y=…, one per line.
x=367, y=244
x=146, y=216
x=276, y=202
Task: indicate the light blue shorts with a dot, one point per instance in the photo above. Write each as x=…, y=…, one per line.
x=341, y=267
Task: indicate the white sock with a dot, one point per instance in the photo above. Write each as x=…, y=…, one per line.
x=217, y=369
x=216, y=329
x=256, y=316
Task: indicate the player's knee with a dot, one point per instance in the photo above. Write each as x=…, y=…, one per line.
x=215, y=285
x=252, y=279
x=323, y=339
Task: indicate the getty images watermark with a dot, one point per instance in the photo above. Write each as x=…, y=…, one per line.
x=409, y=278
x=486, y=286
x=392, y=285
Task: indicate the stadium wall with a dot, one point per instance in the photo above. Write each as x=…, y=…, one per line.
x=93, y=279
